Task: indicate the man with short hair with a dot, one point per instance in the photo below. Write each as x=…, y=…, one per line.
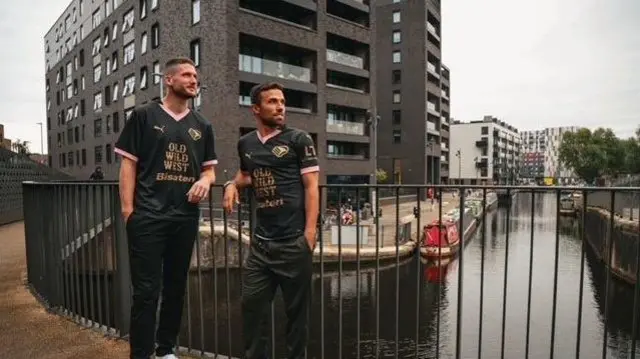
x=168, y=159
x=280, y=165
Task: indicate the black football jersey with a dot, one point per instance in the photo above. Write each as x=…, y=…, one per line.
x=170, y=151
x=276, y=164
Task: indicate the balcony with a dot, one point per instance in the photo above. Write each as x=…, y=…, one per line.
x=432, y=30
x=345, y=59
x=432, y=109
x=272, y=68
x=432, y=127
x=346, y=127
x=354, y=11
x=342, y=81
x=339, y=150
x=301, y=13
x=482, y=143
x=432, y=69
x=262, y=60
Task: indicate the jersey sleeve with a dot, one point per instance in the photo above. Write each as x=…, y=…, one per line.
x=244, y=167
x=307, y=155
x=210, y=157
x=130, y=141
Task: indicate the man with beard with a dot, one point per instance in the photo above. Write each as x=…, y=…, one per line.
x=280, y=166
x=167, y=168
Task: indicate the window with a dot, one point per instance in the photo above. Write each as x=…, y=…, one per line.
x=116, y=88
x=127, y=21
x=195, y=52
x=155, y=35
x=396, y=117
x=129, y=52
x=97, y=127
x=114, y=61
x=154, y=4
x=84, y=157
x=129, y=85
x=143, y=77
x=98, y=154
x=143, y=43
x=396, y=77
x=397, y=136
x=96, y=47
x=107, y=96
x=156, y=70
x=97, y=102
x=195, y=11
x=484, y=130
x=143, y=9
x=114, y=31
x=396, y=97
x=108, y=150
x=396, y=57
x=96, y=18
x=97, y=73
x=396, y=16
x=116, y=122
x=397, y=37
x=106, y=37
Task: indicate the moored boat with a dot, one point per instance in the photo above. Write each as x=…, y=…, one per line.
x=440, y=240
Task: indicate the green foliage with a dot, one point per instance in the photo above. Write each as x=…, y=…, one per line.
x=381, y=175
x=598, y=153
x=21, y=147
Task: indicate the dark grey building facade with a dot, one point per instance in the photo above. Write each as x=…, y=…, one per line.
x=102, y=57
x=413, y=92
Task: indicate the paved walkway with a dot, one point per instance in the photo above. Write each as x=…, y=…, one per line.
x=26, y=329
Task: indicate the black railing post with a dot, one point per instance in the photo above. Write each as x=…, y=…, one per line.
x=122, y=278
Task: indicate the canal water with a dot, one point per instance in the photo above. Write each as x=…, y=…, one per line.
x=422, y=297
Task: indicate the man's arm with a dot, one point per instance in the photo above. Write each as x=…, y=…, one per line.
x=241, y=180
x=208, y=172
x=309, y=170
x=311, y=199
x=128, y=146
x=127, y=185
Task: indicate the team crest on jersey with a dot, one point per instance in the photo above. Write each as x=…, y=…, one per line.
x=195, y=134
x=280, y=151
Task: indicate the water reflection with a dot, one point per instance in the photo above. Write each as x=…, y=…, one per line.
x=420, y=288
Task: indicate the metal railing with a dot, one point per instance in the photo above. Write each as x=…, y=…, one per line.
x=14, y=169
x=398, y=296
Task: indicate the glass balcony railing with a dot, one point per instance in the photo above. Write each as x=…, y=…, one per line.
x=431, y=67
x=432, y=29
x=345, y=59
x=281, y=70
x=431, y=126
x=345, y=127
x=345, y=156
x=431, y=107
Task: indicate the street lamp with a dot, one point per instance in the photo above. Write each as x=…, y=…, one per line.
x=372, y=121
x=459, y=155
x=41, y=138
x=158, y=74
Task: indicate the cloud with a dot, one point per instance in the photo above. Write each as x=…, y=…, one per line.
x=544, y=63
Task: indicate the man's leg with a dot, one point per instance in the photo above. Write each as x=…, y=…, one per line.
x=176, y=262
x=258, y=288
x=295, y=280
x=146, y=245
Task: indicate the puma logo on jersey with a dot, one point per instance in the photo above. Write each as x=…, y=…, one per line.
x=247, y=155
x=161, y=129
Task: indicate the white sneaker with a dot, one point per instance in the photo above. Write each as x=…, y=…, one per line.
x=168, y=356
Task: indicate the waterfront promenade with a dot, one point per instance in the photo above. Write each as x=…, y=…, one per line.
x=26, y=329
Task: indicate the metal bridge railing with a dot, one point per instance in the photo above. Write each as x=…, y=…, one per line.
x=397, y=296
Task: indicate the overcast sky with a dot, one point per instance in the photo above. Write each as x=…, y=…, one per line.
x=532, y=63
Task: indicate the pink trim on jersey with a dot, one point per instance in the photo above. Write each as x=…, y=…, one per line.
x=310, y=169
x=126, y=154
x=209, y=163
x=267, y=137
x=176, y=116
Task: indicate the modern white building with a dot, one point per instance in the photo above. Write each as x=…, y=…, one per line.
x=484, y=152
x=541, y=150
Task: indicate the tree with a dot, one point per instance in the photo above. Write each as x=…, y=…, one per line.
x=381, y=175
x=598, y=153
x=21, y=147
